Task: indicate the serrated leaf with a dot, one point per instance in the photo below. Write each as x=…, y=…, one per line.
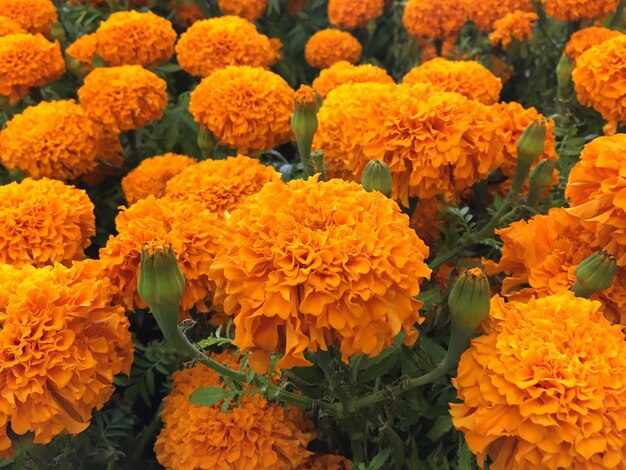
x=209, y=396
x=442, y=425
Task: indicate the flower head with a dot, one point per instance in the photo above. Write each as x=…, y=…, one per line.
x=57, y=139
x=485, y=13
x=34, y=16
x=516, y=26
x=62, y=342
x=429, y=215
x=125, y=97
x=9, y=26
x=325, y=462
x=152, y=174
x=27, y=61
x=187, y=12
x=246, y=108
x=579, y=10
x=586, y=38
x=351, y=15
x=221, y=185
x=467, y=77
x=216, y=43
x=82, y=50
x=251, y=10
x=252, y=434
x=545, y=387
x=434, y=20
x=343, y=72
x=329, y=46
x=314, y=264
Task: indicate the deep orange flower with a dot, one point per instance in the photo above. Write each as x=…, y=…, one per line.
x=125, y=97
x=251, y=10
x=221, y=185
x=216, y=43
x=194, y=232
x=62, y=343
x=587, y=38
x=343, y=72
x=44, y=221
x=466, y=77
x=516, y=26
x=246, y=108
x=429, y=215
x=545, y=387
x=9, y=26
x=27, y=61
x=35, y=16
x=55, y=139
x=10, y=278
x=351, y=15
x=434, y=20
x=329, y=46
x=152, y=174
x=325, y=462
x=82, y=50
x=485, y=13
x=314, y=264
x=579, y=10
x=187, y=12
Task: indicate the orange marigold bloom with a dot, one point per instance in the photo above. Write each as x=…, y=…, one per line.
x=429, y=215
x=485, y=13
x=325, y=462
x=35, y=16
x=253, y=434
x=8, y=26
x=434, y=20
x=44, y=221
x=194, y=232
x=251, y=10
x=314, y=264
x=516, y=26
x=579, y=10
x=10, y=278
x=344, y=72
x=221, y=185
x=330, y=46
x=597, y=193
x=351, y=15
x=586, y=38
x=62, y=342
x=246, y=108
x=433, y=142
x=545, y=387
x=27, y=61
x=152, y=174
x=55, y=139
x=83, y=50
x=467, y=77
x=134, y=38
x=125, y=97
x=187, y=12
x=216, y=43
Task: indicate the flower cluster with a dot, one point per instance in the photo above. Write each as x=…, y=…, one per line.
x=485, y=13
x=314, y=264
x=34, y=16
x=351, y=15
x=9, y=26
x=434, y=20
x=545, y=387
x=579, y=10
x=251, y=10
x=516, y=26
x=343, y=73
x=586, y=38
x=330, y=46
x=246, y=108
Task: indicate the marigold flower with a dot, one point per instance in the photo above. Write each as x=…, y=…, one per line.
x=349, y=14
x=187, y=12
x=35, y=16
x=194, y=232
x=329, y=46
x=10, y=278
x=152, y=174
x=427, y=219
x=485, y=13
x=467, y=77
x=125, y=97
x=579, y=10
x=216, y=43
x=246, y=108
x=27, y=61
x=516, y=26
x=62, y=342
x=325, y=462
x=545, y=387
x=221, y=185
x=434, y=20
x=55, y=139
x=251, y=10
x=253, y=434
x=343, y=72
x=314, y=264
x=83, y=50
x=8, y=26
x=586, y=38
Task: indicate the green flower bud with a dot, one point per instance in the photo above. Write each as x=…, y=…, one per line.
x=377, y=177
x=161, y=282
x=540, y=181
x=74, y=67
x=532, y=142
x=469, y=301
x=97, y=61
x=596, y=273
x=304, y=124
x=57, y=31
x=206, y=141
x=564, y=72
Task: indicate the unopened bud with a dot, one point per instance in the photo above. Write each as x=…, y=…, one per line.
x=57, y=31
x=469, y=301
x=97, y=61
x=161, y=282
x=304, y=124
x=540, y=181
x=377, y=177
x=73, y=66
x=596, y=273
x=564, y=72
x=206, y=141
x=532, y=142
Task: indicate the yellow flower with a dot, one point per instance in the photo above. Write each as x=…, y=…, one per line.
x=343, y=72
x=216, y=43
x=467, y=77
x=311, y=264
x=330, y=46
x=516, y=26
x=351, y=15
x=246, y=108
x=434, y=20
x=221, y=185
x=9, y=26
x=34, y=16
x=587, y=38
x=579, y=10
x=545, y=388
x=251, y=10
x=485, y=13
x=152, y=174
x=125, y=97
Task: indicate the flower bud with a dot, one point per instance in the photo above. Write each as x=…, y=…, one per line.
x=564, y=72
x=596, y=273
x=74, y=67
x=161, y=282
x=97, y=61
x=304, y=124
x=540, y=181
x=57, y=31
x=206, y=142
x=532, y=142
x=377, y=177
x=469, y=301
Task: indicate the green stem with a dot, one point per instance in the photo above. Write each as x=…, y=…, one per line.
x=148, y=432
x=304, y=149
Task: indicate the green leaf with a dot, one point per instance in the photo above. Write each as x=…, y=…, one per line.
x=442, y=426
x=430, y=298
x=209, y=396
x=466, y=459
x=378, y=461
